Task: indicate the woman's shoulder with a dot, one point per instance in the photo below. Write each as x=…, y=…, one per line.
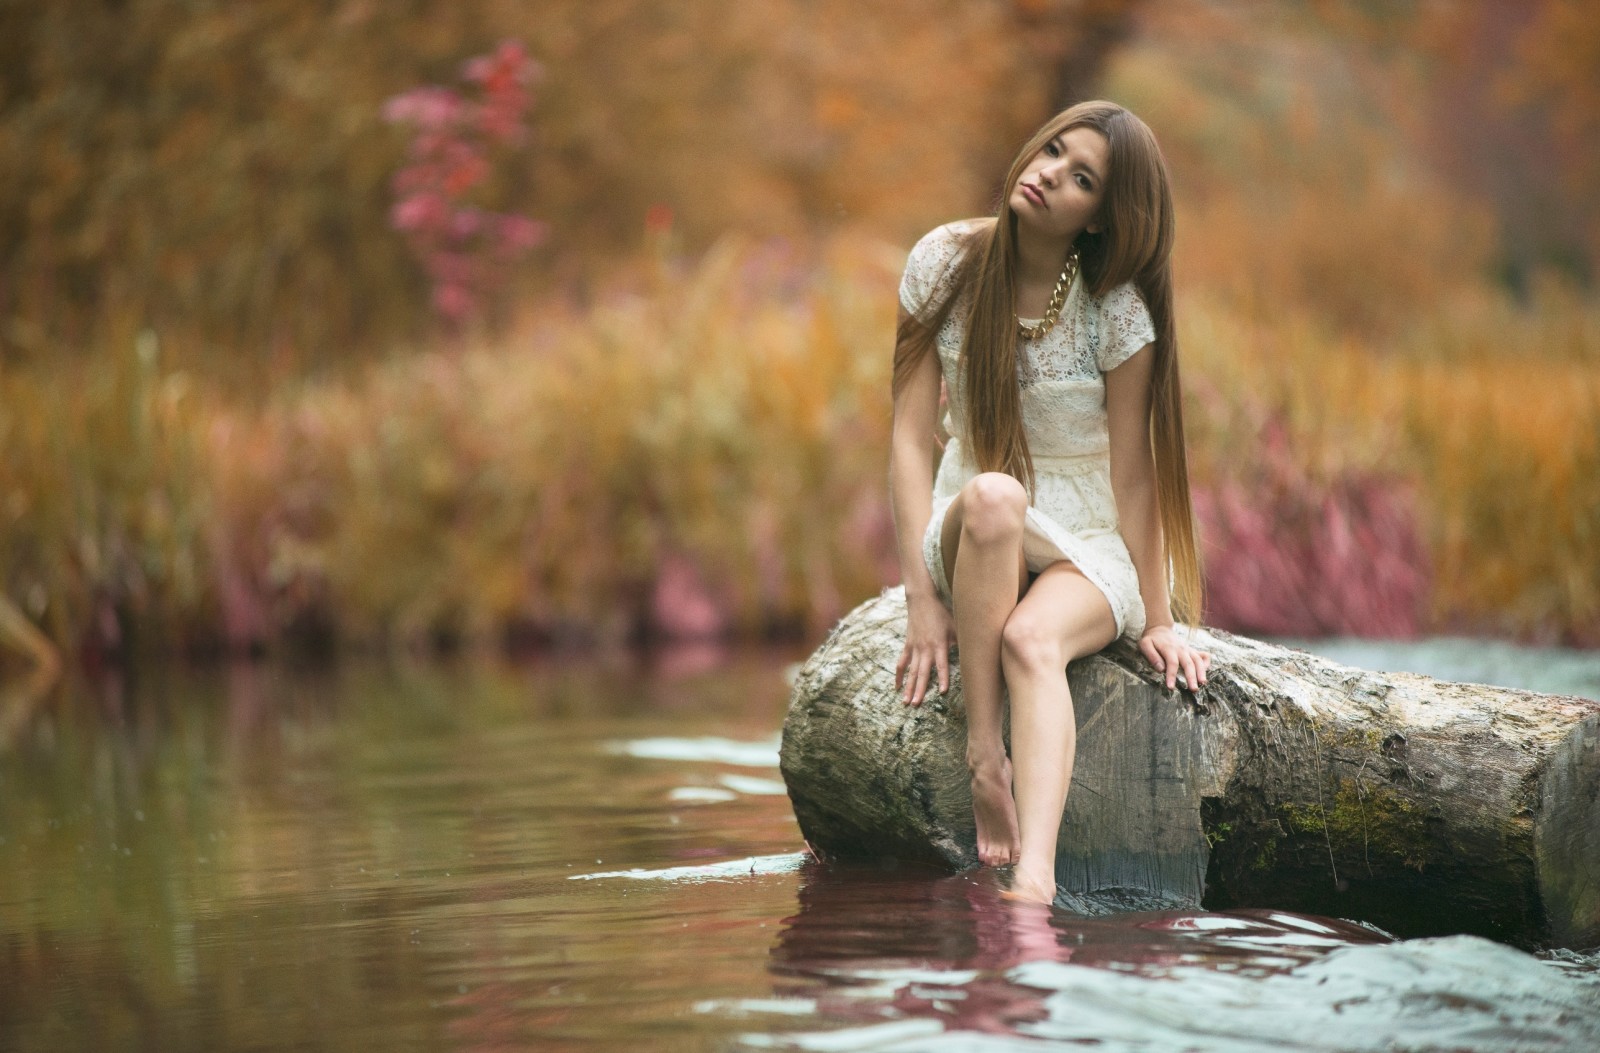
x=1124, y=325
x=1119, y=297
x=1122, y=306
x=932, y=258
x=947, y=239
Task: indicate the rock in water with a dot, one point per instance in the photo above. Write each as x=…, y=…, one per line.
x=1288, y=781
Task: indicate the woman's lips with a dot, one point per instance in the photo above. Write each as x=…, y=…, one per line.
x=1031, y=192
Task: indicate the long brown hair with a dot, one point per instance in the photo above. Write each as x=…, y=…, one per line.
x=1135, y=244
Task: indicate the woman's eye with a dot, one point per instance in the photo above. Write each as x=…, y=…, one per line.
x=1052, y=150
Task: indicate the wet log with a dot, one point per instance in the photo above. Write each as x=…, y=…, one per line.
x=1288, y=781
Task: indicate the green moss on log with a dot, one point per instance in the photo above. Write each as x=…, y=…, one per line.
x=1371, y=823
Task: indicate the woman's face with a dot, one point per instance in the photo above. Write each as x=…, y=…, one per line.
x=1060, y=191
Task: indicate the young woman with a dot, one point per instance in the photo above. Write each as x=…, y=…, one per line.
x=1060, y=513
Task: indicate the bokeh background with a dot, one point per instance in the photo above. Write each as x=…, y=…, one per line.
x=492, y=324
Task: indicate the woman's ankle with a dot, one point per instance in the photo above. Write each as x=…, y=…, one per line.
x=1033, y=885
x=983, y=758
x=1034, y=871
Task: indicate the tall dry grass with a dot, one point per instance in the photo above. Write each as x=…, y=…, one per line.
x=1446, y=478
x=104, y=473
x=703, y=451
x=699, y=454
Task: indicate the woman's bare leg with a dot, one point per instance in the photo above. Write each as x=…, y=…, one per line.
x=982, y=540
x=1063, y=617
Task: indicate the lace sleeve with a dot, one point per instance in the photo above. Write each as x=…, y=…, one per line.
x=930, y=261
x=1125, y=326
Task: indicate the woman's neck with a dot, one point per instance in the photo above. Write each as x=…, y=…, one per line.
x=1039, y=259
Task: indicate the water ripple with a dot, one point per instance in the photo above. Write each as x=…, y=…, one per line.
x=731, y=870
x=710, y=748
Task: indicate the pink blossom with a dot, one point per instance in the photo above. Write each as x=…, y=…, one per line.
x=455, y=302
x=501, y=123
x=414, y=178
x=518, y=234
x=508, y=62
x=428, y=107
x=658, y=219
x=431, y=144
x=450, y=156
x=683, y=606
x=465, y=169
x=452, y=268
x=420, y=212
x=504, y=76
x=465, y=223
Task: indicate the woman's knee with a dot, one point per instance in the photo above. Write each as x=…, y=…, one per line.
x=994, y=506
x=1031, y=645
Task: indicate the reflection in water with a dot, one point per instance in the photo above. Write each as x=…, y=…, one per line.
x=913, y=961
x=384, y=858
x=868, y=945
x=21, y=696
x=378, y=858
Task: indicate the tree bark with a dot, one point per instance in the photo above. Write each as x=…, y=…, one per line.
x=1073, y=42
x=1288, y=781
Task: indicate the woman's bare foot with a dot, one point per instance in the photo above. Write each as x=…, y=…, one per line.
x=995, y=811
x=1031, y=888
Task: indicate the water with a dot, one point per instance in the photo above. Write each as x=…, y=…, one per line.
x=1553, y=670
x=600, y=856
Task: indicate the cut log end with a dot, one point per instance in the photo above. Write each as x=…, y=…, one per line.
x=1567, y=837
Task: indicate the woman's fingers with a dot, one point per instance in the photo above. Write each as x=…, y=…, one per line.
x=941, y=659
x=916, y=670
x=1172, y=656
x=900, y=667
x=1162, y=655
x=923, y=665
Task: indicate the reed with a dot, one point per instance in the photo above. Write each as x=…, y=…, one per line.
x=104, y=473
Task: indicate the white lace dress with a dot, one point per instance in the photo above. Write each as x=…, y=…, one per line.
x=1073, y=515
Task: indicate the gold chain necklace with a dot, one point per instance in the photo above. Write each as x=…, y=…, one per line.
x=1058, y=297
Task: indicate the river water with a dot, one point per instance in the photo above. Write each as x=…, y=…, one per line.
x=598, y=855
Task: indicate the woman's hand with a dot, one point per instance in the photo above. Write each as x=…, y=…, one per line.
x=1171, y=655
x=930, y=633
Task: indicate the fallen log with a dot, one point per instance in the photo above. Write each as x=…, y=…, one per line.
x=1287, y=781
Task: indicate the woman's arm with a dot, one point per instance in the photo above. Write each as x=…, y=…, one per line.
x=1133, y=484
x=929, y=630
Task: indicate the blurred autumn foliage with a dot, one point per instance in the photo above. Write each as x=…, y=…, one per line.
x=221, y=171
x=668, y=416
